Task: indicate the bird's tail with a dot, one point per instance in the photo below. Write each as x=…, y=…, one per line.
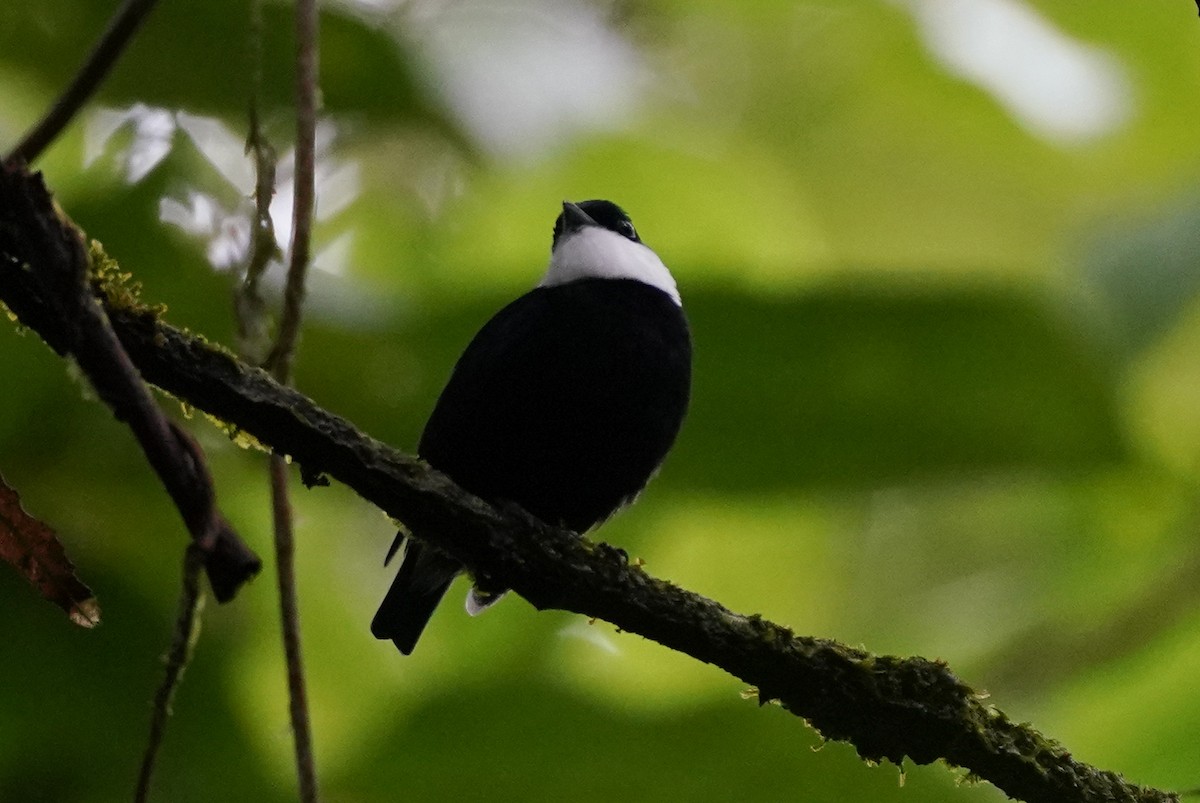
x=424, y=576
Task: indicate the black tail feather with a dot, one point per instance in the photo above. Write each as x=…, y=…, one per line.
x=422, y=580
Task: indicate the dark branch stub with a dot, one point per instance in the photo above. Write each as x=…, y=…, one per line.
x=33, y=548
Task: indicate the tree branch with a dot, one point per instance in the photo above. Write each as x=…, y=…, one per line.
x=887, y=707
x=280, y=364
x=304, y=196
x=59, y=290
x=121, y=28
x=186, y=631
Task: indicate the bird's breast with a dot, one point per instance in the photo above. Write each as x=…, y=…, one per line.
x=567, y=400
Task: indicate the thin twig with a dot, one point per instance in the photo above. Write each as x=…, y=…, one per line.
x=304, y=198
x=112, y=42
x=250, y=316
x=187, y=628
x=250, y=311
x=279, y=362
x=289, y=613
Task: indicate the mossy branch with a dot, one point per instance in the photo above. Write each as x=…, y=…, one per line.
x=887, y=707
x=44, y=257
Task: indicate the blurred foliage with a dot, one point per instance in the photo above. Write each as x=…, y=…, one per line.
x=945, y=400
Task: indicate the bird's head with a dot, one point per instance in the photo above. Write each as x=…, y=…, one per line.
x=597, y=240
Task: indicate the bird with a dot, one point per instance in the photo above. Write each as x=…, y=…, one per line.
x=565, y=403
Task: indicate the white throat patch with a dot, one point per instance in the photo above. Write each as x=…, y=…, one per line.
x=597, y=253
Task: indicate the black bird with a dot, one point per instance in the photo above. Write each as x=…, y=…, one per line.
x=565, y=402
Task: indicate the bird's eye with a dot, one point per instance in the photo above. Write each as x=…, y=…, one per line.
x=627, y=230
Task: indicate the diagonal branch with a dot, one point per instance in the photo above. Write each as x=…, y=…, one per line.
x=59, y=289
x=121, y=28
x=887, y=707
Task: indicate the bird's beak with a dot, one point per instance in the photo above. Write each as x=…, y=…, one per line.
x=575, y=218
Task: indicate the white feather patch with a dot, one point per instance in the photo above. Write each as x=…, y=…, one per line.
x=597, y=253
x=478, y=602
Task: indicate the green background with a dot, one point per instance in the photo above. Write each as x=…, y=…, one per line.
x=946, y=385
